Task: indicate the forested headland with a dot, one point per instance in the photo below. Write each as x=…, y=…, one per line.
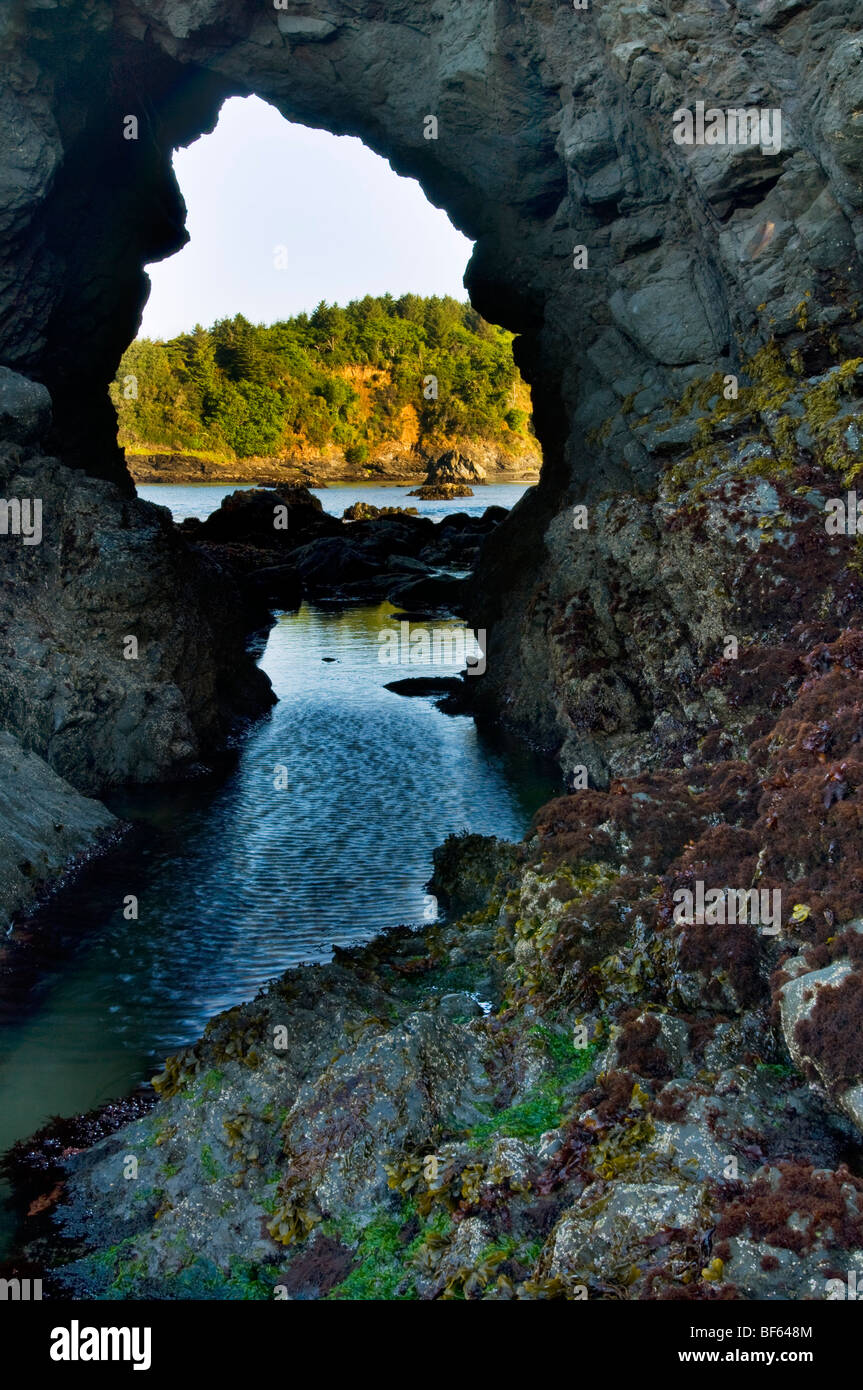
x=381, y=376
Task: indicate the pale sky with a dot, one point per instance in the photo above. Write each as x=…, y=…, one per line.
x=260, y=189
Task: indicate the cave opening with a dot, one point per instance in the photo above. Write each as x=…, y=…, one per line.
x=318, y=304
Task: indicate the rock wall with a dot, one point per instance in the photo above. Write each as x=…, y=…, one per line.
x=47, y=827
x=125, y=654
x=554, y=131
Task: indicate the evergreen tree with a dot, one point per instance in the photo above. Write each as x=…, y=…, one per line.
x=340, y=376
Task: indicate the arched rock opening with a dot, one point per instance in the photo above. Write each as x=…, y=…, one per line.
x=554, y=131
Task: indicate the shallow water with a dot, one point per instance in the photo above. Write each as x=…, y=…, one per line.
x=238, y=880
x=200, y=499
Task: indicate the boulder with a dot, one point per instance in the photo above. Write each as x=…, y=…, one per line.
x=25, y=408
x=441, y=492
x=454, y=467
x=820, y=1012
x=434, y=592
x=249, y=516
x=47, y=827
x=125, y=648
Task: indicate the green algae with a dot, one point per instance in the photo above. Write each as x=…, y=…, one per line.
x=242, y=1282
x=209, y=1165
x=548, y=1103
x=774, y=384
x=383, y=1258
x=211, y=1084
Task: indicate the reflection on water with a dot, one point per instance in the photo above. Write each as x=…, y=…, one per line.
x=237, y=880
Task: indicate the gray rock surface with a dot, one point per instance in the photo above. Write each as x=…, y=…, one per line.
x=25, y=408
x=798, y=1000
x=46, y=826
x=109, y=569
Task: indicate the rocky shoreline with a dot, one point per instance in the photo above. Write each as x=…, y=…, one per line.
x=571, y=1086
x=399, y=466
x=492, y=1107
x=579, y=1084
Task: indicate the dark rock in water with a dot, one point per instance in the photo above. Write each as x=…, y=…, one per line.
x=423, y=686
x=276, y=585
x=257, y=516
x=438, y=592
x=393, y=535
x=367, y=511
x=441, y=492
x=454, y=467
x=332, y=562
x=466, y=869
x=366, y=559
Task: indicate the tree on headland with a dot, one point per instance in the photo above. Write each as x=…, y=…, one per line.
x=348, y=377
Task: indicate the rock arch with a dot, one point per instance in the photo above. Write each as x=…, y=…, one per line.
x=555, y=131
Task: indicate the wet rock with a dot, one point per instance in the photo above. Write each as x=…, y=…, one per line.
x=47, y=827
x=605, y=1235
x=466, y=869
x=454, y=467
x=423, y=687
x=269, y=517
x=819, y=1009
x=436, y=592
x=367, y=511
x=332, y=563
x=459, y=1006
x=441, y=492
x=277, y=586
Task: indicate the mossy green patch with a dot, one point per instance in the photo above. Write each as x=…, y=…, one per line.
x=383, y=1259
x=209, y=1164
x=548, y=1104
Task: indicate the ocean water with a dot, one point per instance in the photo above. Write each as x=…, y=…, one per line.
x=200, y=499
x=238, y=878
